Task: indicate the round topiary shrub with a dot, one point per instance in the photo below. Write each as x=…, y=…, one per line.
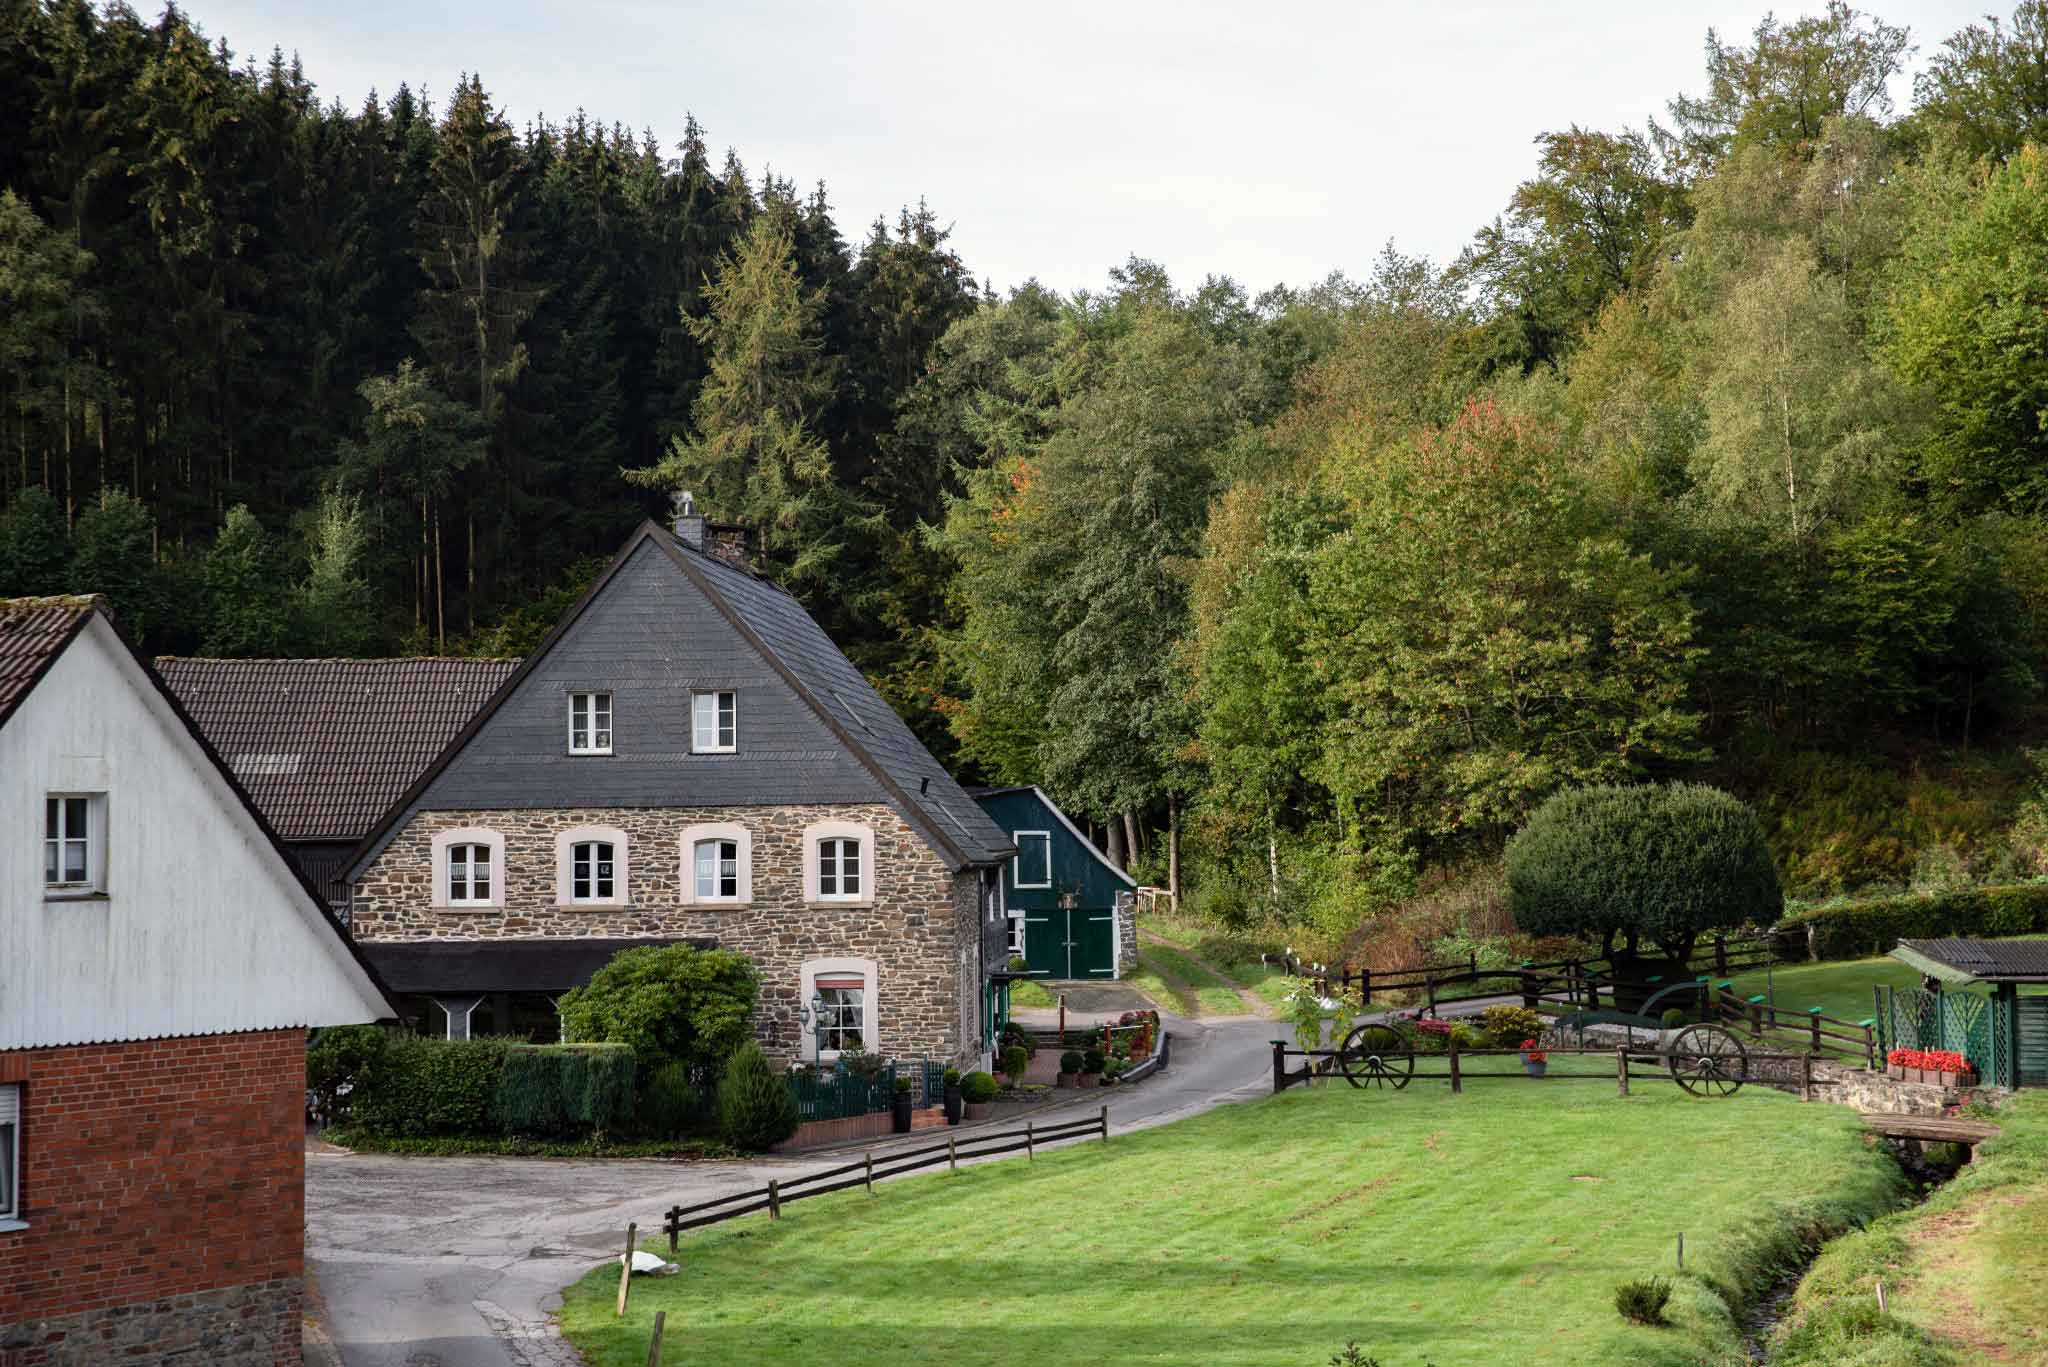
x=1658, y=863
x=1070, y=1062
x=1015, y=1061
x=978, y=1087
x=1672, y=1019
x=756, y=1107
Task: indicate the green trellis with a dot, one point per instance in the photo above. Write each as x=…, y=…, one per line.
x=1977, y=1027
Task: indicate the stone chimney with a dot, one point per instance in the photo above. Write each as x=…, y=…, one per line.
x=689, y=525
x=727, y=541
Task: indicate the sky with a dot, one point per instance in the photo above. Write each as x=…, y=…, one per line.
x=1271, y=141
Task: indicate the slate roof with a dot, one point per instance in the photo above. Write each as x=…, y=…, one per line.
x=849, y=703
x=1987, y=960
x=34, y=632
x=326, y=746
x=445, y=967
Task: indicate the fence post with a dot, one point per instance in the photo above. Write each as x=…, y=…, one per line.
x=1528, y=987
x=1621, y=1070
x=774, y=1199
x=675, y=1228
x=1365, y=987
x=626, y=1267
x=1472, y=962
x=1279, y=1066
x=1030, y=1144
x=1721, y=955
x=1457, y=1084
x=870, y=1157
x=952, y=1158
x=1813, y=1017
x=1105, y=1122
x=1870, y=1045
x=1806, y=1077
x=654, y=1344
x=1429, y=986
x=1755, y=1013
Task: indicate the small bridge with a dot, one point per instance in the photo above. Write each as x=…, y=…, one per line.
x=1938, y=1129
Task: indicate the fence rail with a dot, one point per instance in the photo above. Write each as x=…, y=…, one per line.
x=865, y=1173
x=1625, y=1059
x=1572, y=982
x=1821, y=1034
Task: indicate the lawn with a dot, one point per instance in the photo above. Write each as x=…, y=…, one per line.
x=1487, y=1228
x=1840, y=990
x=1213, y=996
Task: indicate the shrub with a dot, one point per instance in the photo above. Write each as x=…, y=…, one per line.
x=562, y=1089
x=756, y=1106
x=1092, y=1061
x=1854, y=930
x=902, y=1085
x=1662, y=863
x=670, y=1104
x=1070, y=1062
x=671, y=1003
x=1643, y=1302
x=336, y=1058
x=1507, y=1025
x=952, y=1077
x=1015, y=1061
x=423, y=1086
x=977, y=1087
x=1672, y=1018
x=1013, y=1033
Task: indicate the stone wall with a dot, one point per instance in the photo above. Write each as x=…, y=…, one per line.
x=163, y=1201
x=920, y=926
x=1126, y=936
x=241, y=1326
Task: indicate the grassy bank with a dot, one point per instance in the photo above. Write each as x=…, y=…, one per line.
x=1479, y=1229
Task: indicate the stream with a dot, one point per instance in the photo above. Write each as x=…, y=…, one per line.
x=1924, y=1172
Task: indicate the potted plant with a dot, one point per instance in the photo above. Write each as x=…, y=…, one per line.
x=900, y=1106
x=1070, y=1068
x=1091, y=1067
x=1534, y=1060
x=952, y=1096
x=979, y=1089
x=1114, y=1069
x=1015, y=1061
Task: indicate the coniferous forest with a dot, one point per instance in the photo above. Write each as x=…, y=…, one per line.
x=1721, y=452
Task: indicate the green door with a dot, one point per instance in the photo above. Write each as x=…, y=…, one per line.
x=1094, y=937
x=1045, y=943
x=1070, y=944
x=2033, y=1041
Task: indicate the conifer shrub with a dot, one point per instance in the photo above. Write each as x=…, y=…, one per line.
x=1643, y=1302
x=670, y=1105
x=1015, y=1061
x=756, y=1106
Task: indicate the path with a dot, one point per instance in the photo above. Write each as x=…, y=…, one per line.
x=1253, y=1005
x=457, y=1262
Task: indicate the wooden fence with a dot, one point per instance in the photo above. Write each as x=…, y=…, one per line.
x=1572, y=982
x=1809, y=1029
x=780, y=1192
x=1323, y=1063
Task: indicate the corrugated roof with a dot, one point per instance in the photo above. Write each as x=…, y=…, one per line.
x=324, y=747
x=850, y=703
x=33, y=632
x=1988, y=960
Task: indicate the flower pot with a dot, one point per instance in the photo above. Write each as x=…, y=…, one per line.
x=953, y=1104
x=1065, y=1079
x=1091, y=1079
x=1535, y=1067
x=1895, y=1072
x=899, y=1112
x=978, y=1110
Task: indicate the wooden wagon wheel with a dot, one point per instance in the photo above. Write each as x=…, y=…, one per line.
x=1376, y=1056
x=1708, y=1061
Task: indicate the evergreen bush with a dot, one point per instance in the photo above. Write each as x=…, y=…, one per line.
x=670, y=1106
x=1643, y=1302
x=978, y=1087
x=670, y=1003
x=1855, y=930
x=1015, y=1061
x=756, y=1105
x=336, y=1059
x=566, y=1089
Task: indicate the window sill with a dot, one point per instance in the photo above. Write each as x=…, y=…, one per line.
x=10, y=1226
x=469, y=908
x=715, y=750
x=839, y=901
x=718, y=904
x=82, y=895
x=593, y=906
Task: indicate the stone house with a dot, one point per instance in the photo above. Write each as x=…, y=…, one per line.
x=687, y=758
x=160, y=963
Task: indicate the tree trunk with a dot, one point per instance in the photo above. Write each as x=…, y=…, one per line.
x=1272, y=870
x=440, y=590
x=1130, y=838
x=1173, y=847
x=1116, y=842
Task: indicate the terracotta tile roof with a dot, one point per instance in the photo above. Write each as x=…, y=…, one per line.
x=324, y=746
x=32, y=633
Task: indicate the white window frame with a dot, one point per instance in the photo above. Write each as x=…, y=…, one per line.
x=565, y=866
x=694, y=836
x=864, y=969
x=864, y=836
x=94, y=883
x=1016, y=938
x=444, y=891
x=10, y=1156
x=724, y=718
x=587, y=701
x=1017, y=860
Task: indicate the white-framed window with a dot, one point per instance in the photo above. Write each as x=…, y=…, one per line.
x=469, y=868
x=1016, y=939
x=1032, y=868
x=590, y=723
x=838, y=998
x=10, y=1154
x=717, y=864
x=839, y=862
x=591, y=867
x=74, y=844
x=714, y=722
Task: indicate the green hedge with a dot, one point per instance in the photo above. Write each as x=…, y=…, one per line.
x=566, y=1089
x=1855, y=930
x=422, y=1086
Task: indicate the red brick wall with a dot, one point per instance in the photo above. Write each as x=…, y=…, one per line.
x=156, y=1168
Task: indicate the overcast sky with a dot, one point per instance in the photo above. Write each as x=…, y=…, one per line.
x=1270, y=140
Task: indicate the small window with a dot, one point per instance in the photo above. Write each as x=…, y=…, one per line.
x=842, y=1014
x=590, y=723
x=74, y=844
x=10, y=1152
x=718, y=870
x=714, y=722
x=1032, y=867
x=590, y=871
x=1017, y=936
x=469, y=875
x=839, y=868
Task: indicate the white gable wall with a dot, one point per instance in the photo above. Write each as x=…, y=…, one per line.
x=204, y=928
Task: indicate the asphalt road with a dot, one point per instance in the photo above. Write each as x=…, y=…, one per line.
x=457, y=1262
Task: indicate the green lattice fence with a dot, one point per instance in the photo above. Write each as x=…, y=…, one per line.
x=1977, y=1027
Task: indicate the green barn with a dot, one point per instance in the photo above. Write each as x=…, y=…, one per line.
x=1069, y=907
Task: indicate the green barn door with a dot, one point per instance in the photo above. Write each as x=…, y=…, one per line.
x=1094, y=943
x=1045, y=943
x=2033, y=1033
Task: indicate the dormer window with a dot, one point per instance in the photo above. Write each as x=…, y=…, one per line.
x=590, y=723
x=714, y=727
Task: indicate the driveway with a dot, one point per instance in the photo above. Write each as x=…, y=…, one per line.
x=457, y=1262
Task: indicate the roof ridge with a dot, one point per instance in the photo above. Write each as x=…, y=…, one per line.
x=76, y=602
x=340, y=659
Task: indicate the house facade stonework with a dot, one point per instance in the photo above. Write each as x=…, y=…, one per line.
x=918, y=923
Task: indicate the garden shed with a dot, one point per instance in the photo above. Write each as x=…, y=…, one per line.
x=1069, y=906
x=1986, y=999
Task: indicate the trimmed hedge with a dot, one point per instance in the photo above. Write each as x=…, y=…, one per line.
x=566, y=1089
x=421, y=1086
x=1856, y=930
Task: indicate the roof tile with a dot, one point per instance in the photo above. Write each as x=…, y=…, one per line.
x=32, y=632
